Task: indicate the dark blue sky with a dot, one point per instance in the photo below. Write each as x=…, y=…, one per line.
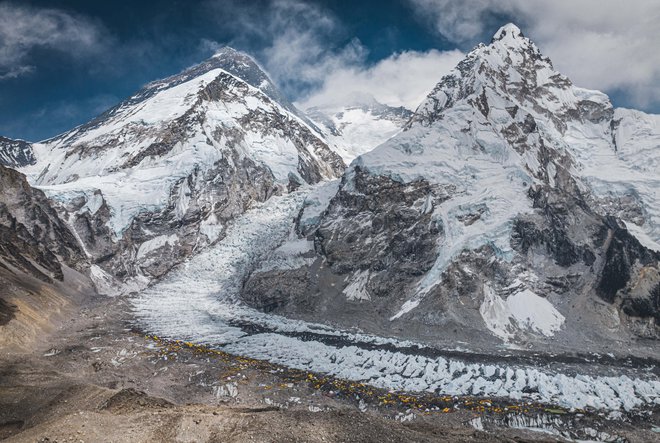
x=130, y=43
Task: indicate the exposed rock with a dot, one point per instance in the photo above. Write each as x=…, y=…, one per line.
x=33, y=238
x=16, y=153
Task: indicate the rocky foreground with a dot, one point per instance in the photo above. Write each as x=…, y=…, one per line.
x=95, y=378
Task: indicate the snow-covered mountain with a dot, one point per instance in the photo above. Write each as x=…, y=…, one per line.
x=357, y=128
x=158, y=176
x=15, y=153
x=515, y=206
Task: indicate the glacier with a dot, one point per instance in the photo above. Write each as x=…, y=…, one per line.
x=198, y=302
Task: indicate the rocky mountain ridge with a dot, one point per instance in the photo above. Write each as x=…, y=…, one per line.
x=33, y=238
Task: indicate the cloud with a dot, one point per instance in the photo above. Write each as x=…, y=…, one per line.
x=402, y=79
x=600, y=44
x=16, y=71
x=459, y=21
x=25, y=28
x=297, y=42
x=312, y=57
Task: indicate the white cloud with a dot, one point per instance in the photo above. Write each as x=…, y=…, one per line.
x=400, y=80
x=24, y=28
x=297, y=42
x=310, y=55
x=602, y=44
x=459, y=21
x=15, y=71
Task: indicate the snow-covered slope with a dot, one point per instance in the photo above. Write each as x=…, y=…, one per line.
x=357, y=128
x=500, y=212
x=158, y=176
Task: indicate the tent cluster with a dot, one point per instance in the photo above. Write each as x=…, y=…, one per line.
x=334, y=387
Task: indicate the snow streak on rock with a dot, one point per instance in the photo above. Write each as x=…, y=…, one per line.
x=15, y=153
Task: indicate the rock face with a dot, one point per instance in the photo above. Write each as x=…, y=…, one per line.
x=157, y=177
x=514, y=206
x=33, y=238
x=16, y=153
x=42, y=265
x=357, y=128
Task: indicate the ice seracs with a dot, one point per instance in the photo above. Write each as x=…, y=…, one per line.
x=213, y=314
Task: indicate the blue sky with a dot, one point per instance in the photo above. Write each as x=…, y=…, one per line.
x=64, y=61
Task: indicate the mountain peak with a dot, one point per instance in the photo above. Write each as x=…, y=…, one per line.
x=231, y=59
x=228, y=54
x=513, y=68
x=510, y=39
x=236, y=63
x=509, y=32
x=243, y=66
x=509, y=46
x=227, y=50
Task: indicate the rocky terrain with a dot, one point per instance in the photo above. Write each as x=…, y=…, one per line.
x=33, y=238
x=42, y=266
x=95, y=378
